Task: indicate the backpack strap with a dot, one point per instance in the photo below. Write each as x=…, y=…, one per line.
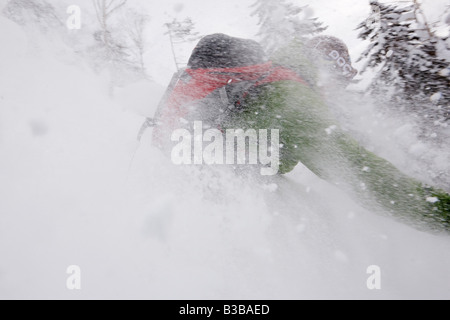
x=274, y=75
x=279, y=73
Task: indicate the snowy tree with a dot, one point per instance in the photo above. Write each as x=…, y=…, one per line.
x=134, y=24
x=410, y=62
x=281, y=21
x=119, y=42
x=39, y=13
x=105, y=10
x=180, y=34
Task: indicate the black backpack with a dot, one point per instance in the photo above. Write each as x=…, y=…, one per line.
x=222, y=51
x=216, y=51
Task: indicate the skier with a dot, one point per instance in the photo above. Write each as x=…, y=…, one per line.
x=222, y=71
x=284, y=94
x=309, y=133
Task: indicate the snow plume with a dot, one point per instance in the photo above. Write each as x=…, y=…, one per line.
x=218, y=235
x=151, y=230
x=392, y=135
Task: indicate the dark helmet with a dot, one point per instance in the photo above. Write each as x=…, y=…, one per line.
x=336, y=54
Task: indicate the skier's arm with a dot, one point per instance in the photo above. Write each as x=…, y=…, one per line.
x=308, y=134
x=374, y=177
x=335, y=156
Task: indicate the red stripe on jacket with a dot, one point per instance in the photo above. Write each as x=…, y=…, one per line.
x=203, y=82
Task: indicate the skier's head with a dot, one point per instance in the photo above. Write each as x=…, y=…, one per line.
x=332, y=55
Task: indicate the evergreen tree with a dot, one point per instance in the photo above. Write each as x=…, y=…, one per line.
x=410, y=62
x=181, y=33
x=281, y=21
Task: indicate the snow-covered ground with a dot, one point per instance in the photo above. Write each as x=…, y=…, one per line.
x=77, y=189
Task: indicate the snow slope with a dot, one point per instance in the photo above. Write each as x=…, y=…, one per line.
x=77, y=189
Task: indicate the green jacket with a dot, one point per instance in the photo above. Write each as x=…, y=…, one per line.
x=309, y=134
